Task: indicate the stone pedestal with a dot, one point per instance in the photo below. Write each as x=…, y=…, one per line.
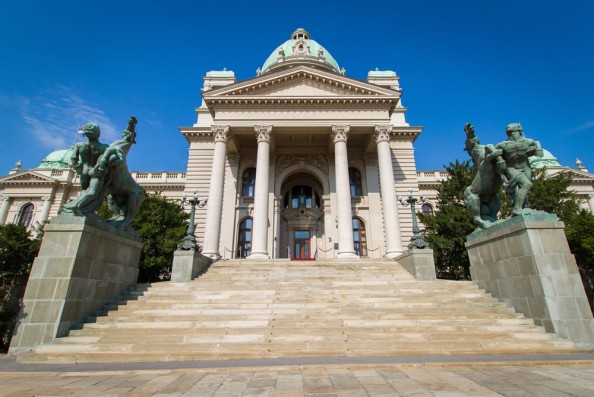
x=419, y=263
x=525, y=261
x=187, y=265
x=81, y=266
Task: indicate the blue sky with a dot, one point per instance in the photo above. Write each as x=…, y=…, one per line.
x=65, y=63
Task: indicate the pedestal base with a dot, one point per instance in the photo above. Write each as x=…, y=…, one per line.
x=81, y=266
x=525, y=261
x=419, y=263
x=187, y=265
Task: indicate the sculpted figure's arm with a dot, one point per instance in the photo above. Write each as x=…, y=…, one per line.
x=535, y=149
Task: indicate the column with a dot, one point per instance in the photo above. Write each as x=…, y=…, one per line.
x=47, y=203
x=4, y=209
x=390, y=206
x=590, y=204
x=260, y=232
x=212, y=229
x=346, y=248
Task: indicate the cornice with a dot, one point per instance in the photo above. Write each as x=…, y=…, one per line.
x=246, y=87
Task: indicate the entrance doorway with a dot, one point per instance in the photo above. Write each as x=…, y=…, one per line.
x=302, y=245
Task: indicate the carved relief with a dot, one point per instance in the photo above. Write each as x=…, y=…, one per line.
x=317, y=161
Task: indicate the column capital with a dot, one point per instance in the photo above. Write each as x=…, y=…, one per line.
x=221, y=133
x=263, y=133
x=340, y=133
x=382, y=133
x=233, y=159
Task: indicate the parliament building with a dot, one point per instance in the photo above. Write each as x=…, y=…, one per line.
x=300, y=161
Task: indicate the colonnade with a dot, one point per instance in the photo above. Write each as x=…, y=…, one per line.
x=343, y=194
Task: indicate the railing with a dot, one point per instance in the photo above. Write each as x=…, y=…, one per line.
x=432, y=175
x=160, y=176
x=245, y=200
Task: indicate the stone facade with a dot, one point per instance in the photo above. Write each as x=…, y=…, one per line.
x=300, y=161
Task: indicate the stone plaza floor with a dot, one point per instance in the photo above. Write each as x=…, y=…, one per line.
x=569, y=375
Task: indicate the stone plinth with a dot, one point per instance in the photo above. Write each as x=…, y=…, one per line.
x=81, y=266
x=419, y=263
x=525, y=261
x=187, y=265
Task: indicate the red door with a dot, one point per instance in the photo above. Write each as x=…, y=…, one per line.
x=301, y=244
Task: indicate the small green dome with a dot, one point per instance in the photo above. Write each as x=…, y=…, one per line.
x=57, y=160
x=300, y=49
x=547, y=160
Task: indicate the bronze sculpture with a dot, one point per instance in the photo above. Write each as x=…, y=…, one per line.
x=505, y=164
x=110, y=178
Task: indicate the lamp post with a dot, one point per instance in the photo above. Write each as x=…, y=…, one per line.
x=189, y=242
x=416, y=241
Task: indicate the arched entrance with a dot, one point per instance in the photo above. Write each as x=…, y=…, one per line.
x=301, y=216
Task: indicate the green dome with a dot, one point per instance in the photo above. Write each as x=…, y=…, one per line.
x=547, y=160
x=298, y=50
x=57, y=160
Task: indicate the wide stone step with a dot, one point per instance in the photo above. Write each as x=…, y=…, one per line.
x=267, y=336
x=310, y=350
x=297, y=316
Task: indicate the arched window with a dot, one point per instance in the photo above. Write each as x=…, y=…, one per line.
x=355, y=180
x=427, y=209
x=302, y=196
x=359, y=237
x=26, y=215
x=244, y=240
x=248, y=184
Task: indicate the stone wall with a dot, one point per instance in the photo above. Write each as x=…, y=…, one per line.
x=525, y=261
x=82, y=265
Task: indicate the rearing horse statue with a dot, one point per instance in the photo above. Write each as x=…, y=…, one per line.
x=481, y=197
x=110, y=177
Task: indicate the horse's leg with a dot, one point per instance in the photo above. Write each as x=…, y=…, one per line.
x=134, y=200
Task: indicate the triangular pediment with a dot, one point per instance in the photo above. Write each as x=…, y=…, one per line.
x=301, y=82
x=26, y=177
x=577, y=175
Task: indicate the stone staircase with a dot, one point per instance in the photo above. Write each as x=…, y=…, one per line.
x=242, y=309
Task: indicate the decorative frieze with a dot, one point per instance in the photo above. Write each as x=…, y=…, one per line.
x=288, y=160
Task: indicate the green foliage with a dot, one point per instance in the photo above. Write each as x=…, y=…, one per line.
x=580, y=236
x=161, y=224
x=446, y=231
x=552, y=195
x=17, y=252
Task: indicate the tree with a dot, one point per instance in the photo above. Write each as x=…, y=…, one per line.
x=446, y=231
x=161, y=224
x=17, y=252
x=580, y=236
